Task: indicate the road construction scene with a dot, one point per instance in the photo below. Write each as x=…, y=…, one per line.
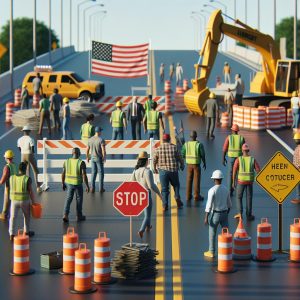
x=155, y=160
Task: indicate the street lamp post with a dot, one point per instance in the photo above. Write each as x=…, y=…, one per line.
x=295, y=30
x=245, y=11
x=49, y=36
x=90, y=22
x=34, y=33
x=61, y=26
x=71, y=6
x=258, y=15
x=274, y=5
x=11, y=50
x=196, y=19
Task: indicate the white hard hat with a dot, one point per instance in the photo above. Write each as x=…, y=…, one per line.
x=26, y=128
x=217, y=174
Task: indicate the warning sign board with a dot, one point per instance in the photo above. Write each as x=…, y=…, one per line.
x=2, y=50
x=278, y=177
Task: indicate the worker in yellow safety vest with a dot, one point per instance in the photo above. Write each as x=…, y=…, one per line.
x=151, y=122
x=87, y=129
x=8, y=170
x=149, y=103
x=233, y=148
x=20, y=194
x=118, y=122
x=74, y=174
x=296, y=162
x=193, y=152
x=245, y=166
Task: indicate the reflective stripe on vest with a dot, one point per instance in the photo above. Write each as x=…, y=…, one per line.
x=12, y=169
x=192, y=152
x=117, y=118
x=18, y=187
x=246, y=168
x=86, y=131
x=235, y=145
x=73, y=175
x=148, y=105
x=152, y=120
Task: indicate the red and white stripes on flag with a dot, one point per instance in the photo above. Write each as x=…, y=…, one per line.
x=119, y=61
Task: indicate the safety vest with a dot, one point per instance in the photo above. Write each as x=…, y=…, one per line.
x=246, y=168
x=192, y=152
x=235, y=145
x=72, y=168
x=12, y=169
x=117, y=118
x=18, y=185
x=152, y=120
x=86, y=131
x=148, y=105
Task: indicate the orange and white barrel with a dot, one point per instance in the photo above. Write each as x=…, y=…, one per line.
x=242, y=248
x=36, y=100
x=295, y=240
x=17, y=98
x=179, y=90
x=9, y=111
x=21, y=255
x=168, y=106
x=185, y=84
x=225, y=262
x=167, y=86
x=273, y=117
x=247, y=117
x=224, y=119
x=258, y=118
x=70, y=245
x=179, y=103
x=83, y=275
x=289, y=117
x=264, y=241
x=234, y=113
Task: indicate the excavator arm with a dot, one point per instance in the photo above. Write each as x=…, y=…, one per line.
x=263, y=81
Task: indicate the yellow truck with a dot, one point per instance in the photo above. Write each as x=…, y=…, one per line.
x=68, y=83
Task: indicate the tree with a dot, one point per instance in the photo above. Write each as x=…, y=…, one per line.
x=286, y=29
x=23, y=35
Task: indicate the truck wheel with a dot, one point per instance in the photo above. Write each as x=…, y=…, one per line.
x=86, y=96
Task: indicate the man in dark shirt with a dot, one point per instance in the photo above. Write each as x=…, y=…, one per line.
x=135, y=115
x=55, y=105
x=212, y=112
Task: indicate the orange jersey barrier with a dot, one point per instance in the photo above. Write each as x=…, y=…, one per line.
x=247, y=117
x=258, y=118
x=295, y=240
x=238, y=115
x=225, y=262
x=273, y=118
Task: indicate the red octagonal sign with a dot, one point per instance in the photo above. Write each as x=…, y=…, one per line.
x=130, y=198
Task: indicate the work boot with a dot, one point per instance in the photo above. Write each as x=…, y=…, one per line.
x=209, y=254
x=179, y=203
x=11, y=237
x=102, y=190
x=250, y=218
x=81, y=218
x=30, y=233
x=3, y=217
x=165, y=207
x=140, y=234
x=237, y=216
x=65, y=218
x=92, y=190
x=148, y=228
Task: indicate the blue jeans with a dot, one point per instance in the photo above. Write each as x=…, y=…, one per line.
x=296, y=117
x=166, y=178
x=154, y=134
x=118, y=133
x=67, y=134
x=239, y=198
x=216, y=218
x=147, y=214
x=78, y=191
x=97, y=167
x=230, y=163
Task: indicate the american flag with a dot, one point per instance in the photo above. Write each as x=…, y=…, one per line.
x=119, y=61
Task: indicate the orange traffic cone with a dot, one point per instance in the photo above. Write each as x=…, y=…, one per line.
x=241, y=243
x=240, y=230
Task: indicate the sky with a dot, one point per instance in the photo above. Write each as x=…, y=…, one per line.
x=167, y=24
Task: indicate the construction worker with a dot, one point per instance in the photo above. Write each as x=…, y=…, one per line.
x=8, y=170
x=66, y=120
x=179, y=74
x=24, y=97
x=212, y=114
x=20, y=194
x=245, y=166
x=87, y=129
x=74, y=173
x=149, y=103
x=295, y=106
x=44, y=114
x=217, y=209
x=162, y=72
x=151, y=122
x=171, y=71
x=37, y=85
x=193, y=153
x=233, y=148
x=296, y=162
x=118, y=121
x=239, y=88
x=228, y=101
x=26, y=147
x=56, y=102
x=226, y=72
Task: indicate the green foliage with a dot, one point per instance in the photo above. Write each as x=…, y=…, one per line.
x=23, y=37
x=286, y=29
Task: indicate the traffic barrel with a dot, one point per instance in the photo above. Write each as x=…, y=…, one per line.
x=225, y=262
x=70, y=245
x=167, y=86
x=9, y=110
x=185, y=85
x=241, y=243
x=168, y=104
x=36, y=100
x=224, y=119
x=21, y=255
x=17, y=97
x=295, y=241
x=179, y=90
x=83, y=277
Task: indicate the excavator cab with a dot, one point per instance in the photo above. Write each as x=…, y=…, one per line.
x=287, y=77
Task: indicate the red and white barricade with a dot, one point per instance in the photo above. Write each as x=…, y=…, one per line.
x=273, y=118
x=167, y=86
x=258, y=118
x=179, y=90
x=247, y=117
x=238, y=115
x=17, y=97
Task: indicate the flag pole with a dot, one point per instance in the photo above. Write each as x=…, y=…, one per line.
x=90, y=59
x=149, y=77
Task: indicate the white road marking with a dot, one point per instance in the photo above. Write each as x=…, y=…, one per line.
x=280, y=141
x=7, y=133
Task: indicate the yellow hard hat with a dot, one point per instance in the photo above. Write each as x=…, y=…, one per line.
x=297, y=136
x=294, y=94
x=66, y=100
x=212, y=96
x=24, y=85
x=119, y=104
x=9, y=154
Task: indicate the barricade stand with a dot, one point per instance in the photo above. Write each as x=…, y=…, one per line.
x=225, y=262
x=83, y=277
x=241, y=243
x=295, y=241
x=21, y=255
x=102, y=270
x=264, y=242
x=70, y=245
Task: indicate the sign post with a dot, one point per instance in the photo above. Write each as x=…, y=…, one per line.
x=278, y=178
x=130, y=199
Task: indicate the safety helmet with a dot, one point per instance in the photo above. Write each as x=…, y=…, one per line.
x=9, y=154
x=235, y=127
x=66, y=100
x=217, y=174
x=143, y=154
x=119, y=104
x=26, y=128
x=24, y=86
x=212, y=95
x=297, y=136
x=294, y=94
x=245, y=147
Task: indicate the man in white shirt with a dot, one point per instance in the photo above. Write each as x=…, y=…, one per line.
x=26, y=146
x=179, y=74
x=217, y=209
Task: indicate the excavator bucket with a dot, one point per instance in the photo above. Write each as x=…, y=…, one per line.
x=194, y=100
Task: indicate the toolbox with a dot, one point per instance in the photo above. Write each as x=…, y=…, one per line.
x=52, y=260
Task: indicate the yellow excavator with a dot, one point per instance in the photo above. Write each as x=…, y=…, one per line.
x=278, y=77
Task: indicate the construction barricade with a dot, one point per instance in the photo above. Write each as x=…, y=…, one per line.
x=295, y=241
x=21, y=265
x=224, y=119
x=179, y=105
x=9, y=110
x=247, y=117
x=225, y=262
x=238, y=115
x=273, y=118
x=17, y=97
x=179, y=90
x=258, y=118
x=168, y=104
x=83, y=275
x=241, y=243
x=289, y=117
x=167, y=86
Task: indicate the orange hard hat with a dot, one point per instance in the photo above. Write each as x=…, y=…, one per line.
x=235, y=127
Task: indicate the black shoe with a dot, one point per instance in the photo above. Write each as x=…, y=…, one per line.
x=179, y=203
x=102, y=190
x=148, y=228
x=81, y=218
x=30, y=233
x=11, y=238
x=140, y=234
x=212, y=136
x=165, y=208
x=250, y=218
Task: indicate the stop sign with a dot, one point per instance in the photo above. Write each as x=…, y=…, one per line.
x=130, y=198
